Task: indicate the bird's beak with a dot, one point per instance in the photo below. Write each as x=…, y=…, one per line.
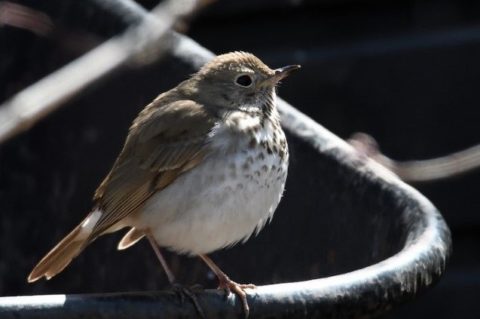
x=281, y=73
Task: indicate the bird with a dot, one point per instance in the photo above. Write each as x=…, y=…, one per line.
x=203, y=167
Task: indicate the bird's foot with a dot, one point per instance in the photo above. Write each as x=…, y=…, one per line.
x=230, y=286
x=189, y=292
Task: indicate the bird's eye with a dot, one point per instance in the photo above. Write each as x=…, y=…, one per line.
x=244, y=80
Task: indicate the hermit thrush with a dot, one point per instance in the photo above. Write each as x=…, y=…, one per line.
x=203, y=167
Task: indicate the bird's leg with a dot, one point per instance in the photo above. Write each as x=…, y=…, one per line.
x=181, y=290
x=163, y=262
x=225, y=283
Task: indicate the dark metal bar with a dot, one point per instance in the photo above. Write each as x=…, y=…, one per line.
x=391, y=45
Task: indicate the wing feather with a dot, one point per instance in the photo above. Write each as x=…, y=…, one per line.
x=163, y=143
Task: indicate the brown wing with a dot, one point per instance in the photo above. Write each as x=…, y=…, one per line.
x=163, y=142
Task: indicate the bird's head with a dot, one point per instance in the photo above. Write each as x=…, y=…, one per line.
x=238, y=80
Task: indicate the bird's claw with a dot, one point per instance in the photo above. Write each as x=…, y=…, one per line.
x=230, y=286
x=189, y=292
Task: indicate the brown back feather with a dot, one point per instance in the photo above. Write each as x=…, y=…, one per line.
x=164, y=142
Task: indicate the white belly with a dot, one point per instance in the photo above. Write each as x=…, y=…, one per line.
x=218, y=203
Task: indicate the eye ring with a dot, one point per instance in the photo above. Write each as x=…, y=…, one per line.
x=244, y=80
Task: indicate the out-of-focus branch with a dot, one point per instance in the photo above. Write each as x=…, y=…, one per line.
x=35, y=102
x=421, y=170
x=19, y=16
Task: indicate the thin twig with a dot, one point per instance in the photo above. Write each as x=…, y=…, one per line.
x=37, y=101
x=420, y=170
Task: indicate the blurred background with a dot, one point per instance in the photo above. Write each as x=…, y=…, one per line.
x=405, y=72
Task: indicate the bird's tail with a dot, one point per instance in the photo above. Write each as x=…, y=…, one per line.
x=68, y=248
x=130, y=239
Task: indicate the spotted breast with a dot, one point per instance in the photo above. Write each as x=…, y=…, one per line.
x=228, y=197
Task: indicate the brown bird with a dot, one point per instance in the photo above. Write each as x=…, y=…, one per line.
x=203, y=167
